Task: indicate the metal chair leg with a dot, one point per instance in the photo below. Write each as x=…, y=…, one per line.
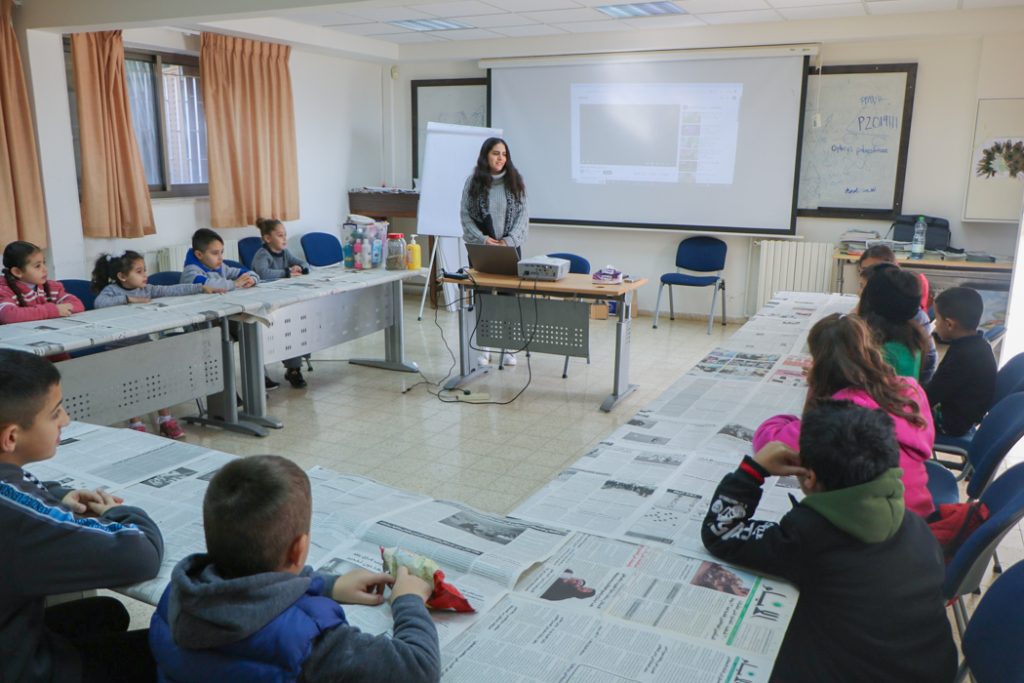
x=671, y=305
x=711, y=313
x=565, y=368
x=960, y=612
x=997, y=568
x=657, y=305
x=721, y=285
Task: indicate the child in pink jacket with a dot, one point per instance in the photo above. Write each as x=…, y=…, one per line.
x=847, y=365
x=26, y=293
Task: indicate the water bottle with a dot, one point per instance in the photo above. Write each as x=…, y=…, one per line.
x=917, y=246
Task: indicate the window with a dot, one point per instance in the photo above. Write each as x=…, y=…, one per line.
x=166, y=101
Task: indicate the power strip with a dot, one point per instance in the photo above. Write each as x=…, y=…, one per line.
x=473, y=398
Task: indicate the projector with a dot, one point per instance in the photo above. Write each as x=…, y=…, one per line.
x=543, y=268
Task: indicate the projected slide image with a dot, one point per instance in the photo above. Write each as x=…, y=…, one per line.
x=654, y=132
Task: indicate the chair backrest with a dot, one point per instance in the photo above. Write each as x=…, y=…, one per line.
x=247, y=248
x=82, y=289
x=1009, y=378
x=1000, y=431
x=1005, y=500
x=702, y=254
x=992, y=642
x=321, y=248
x=165, y=277
x=231, y=263
x=577, y=264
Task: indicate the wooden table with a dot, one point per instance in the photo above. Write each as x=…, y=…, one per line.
x=508, y=313
x=952, y=267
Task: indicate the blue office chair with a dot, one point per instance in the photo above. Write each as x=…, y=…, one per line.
x=1005, y=501
x=701, y=255
x=580, y=266
x=1009, y=380
x=165, y=278
x=247, y=248
x=992, y=642
x=231, y=263
x=83, y=290
x=321, y=248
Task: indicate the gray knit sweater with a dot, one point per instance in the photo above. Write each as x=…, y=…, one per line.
x=114, y=295
x=497, y=205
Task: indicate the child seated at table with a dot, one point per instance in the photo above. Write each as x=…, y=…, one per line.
x=846, y=364
x=870, y=575
x=879, y=254
x=963, y=387
x=121, y=279
x=274, y=261
x=889, y=305
x=57, y=540
x=249, y=608
x=26, y=293
x=205, y=265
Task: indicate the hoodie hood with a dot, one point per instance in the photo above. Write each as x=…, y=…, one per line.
x=207, y=610
x=871, y=512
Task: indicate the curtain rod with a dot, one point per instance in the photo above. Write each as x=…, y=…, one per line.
x=800, y=50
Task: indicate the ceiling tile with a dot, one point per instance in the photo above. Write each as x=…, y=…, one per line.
x=532, y=5
x=824, y=12
x=524, y=31
x=414, y=37
x=374, y=29
x=457, y=9
x=468, y=34
x=387, y=13
x=810, y=3
x=752, y=17
x=907, y=6
x=705, y=6
x=491, y=20
x=978, y=4
x=325, y=18
x=664, y=21
x=564, y=16
x=595, y=26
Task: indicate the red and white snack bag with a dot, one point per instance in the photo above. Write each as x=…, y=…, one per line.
x=445, y=595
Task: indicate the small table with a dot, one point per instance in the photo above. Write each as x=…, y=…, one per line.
x=953, y=267
x=520, y=319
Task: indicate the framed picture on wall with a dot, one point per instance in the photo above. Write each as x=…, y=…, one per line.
x=462, y=101
x=995, y=185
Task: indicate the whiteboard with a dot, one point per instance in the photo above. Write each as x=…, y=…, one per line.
x=855, y=136
x=450, y=158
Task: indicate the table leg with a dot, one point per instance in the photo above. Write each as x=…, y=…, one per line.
x=394, y=339
x=250, y=352
x=841, y=275
x=468, y=368
x=623, y=329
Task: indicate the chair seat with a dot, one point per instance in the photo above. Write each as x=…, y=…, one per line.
x=689, y=280
x=941, y=484
x=957, y=445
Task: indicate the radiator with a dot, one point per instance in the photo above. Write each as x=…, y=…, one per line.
x=790, y=266
x=173, y=257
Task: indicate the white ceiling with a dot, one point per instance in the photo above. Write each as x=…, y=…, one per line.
x=497, y=19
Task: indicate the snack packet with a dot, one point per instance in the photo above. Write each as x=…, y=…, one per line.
x=445, y=595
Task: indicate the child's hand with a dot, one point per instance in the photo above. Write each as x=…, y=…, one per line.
x=361, y=587
x=407, y=584
x=105, y=502
x=779, y=459
x=296, y=270
x=245, y=281
x=64, y=310
x=138, y=300
x=213, y=290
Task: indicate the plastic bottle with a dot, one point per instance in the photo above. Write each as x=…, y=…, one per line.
x=414, y=255
x=367, y=254
x=920, y=233
x=376, y=252
x=357, y=254
x=349, y=251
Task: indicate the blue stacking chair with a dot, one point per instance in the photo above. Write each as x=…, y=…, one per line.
x=247, y=248
x=580, y=266
x=700, y=255
x=1009, y=380
x=83, y=290
x=322, y=248
x=165, y=278
x=233, y=263
x=992, y=642
x=1005, y=501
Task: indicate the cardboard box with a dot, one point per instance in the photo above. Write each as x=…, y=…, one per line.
x=599, y=310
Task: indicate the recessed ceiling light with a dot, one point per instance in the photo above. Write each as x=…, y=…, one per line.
x=429, y=24
x=641, y=9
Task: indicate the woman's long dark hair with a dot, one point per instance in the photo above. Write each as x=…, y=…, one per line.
x=16, y=255
x=887, y=285
x=481, y=182
x=108, y=266
x=846, y=355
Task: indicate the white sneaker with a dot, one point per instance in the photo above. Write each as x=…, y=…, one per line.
x=483, y=359
x=509, y=359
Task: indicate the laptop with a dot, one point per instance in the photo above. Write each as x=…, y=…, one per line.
x=494, y=260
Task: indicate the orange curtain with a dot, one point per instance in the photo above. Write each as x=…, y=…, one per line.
x=250, y=127
x=115, y=197
x=22, y=213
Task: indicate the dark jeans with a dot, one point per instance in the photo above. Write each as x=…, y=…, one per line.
x=98, y=629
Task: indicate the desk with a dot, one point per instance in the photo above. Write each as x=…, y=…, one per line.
x=558, y=326
x=987, y=271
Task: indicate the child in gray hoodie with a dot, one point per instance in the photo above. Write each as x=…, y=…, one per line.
x=250, y=610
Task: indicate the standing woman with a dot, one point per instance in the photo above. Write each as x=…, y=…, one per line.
x=494, y=199
x=494, y=207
